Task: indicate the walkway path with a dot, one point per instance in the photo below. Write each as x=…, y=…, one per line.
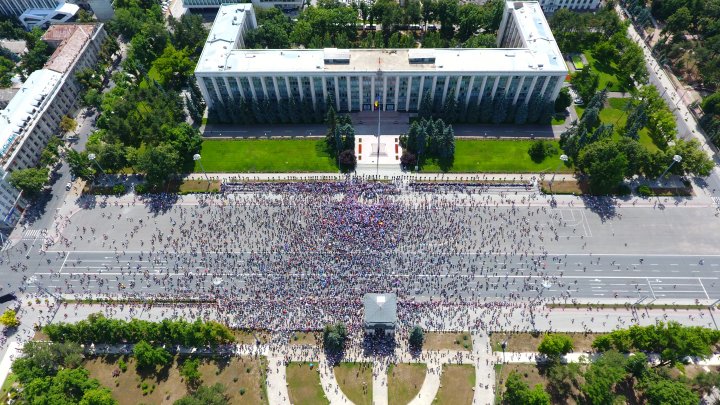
x=431, y=384
x=484, y=369
x=277, y=382
x=380, y=383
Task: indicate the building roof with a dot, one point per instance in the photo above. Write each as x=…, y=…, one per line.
x=69, y=39
x=380, y=309
x=16, y=119
x=540, y=54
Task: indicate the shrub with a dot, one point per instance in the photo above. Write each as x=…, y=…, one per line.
x=644, y=191
x=539, y=150
x=118, y=189
x=9, y=319
x=623, y=189
x=122, y=365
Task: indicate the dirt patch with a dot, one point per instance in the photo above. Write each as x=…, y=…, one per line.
x=305, y=339
x=527, y=342
x=304, y=385
x=167, y=386
x=248, y=337
x=447, y=341
x=456, y=385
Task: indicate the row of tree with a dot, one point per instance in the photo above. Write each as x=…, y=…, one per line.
x=334, y=24
x=340, y=139
x=428, y=139
x=269, y=111
x=99, y=329
x=497, y=110
x=610, y=375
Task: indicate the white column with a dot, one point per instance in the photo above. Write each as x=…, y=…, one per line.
x=312, y=90
x=495, y=86
x=384, y=95
x=324, y=85
x=469, y=91
x=240, y=87
x=204, y=91
x=252, y=88
x=547, y=81
x=432, y=92
x=558, y=86
x=482, y=89
x=530, y=90
x=397, y=91
x=372, y=91
x=349, y=92
x=409, y=94
x=300, y=87
x=337, y=93
x=507, y=85
x=264, y=87
x=360, y=92
x=517, y=92
x=445, y=89
x=227, y=86
x=275, y=86
x=288, y=89
x=421, y=92
x=217, y=90
x=457, y=87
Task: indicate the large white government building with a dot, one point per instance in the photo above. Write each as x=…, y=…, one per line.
x=527, y=63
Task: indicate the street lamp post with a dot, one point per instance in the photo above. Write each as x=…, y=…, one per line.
x=92, y=158
x=563, y=160
x=676, y=159
x=196, y=157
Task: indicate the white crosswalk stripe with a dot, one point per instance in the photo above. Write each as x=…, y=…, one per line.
x=33, y=234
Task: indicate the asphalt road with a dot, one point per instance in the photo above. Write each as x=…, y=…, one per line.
x=572, y=253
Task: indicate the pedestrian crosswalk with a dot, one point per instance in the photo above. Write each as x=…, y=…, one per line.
x=31, y=234
x=716, y=200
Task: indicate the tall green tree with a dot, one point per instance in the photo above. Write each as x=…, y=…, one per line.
x=31, y=181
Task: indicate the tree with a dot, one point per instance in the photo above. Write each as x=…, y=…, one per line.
x=347, y=161
x=67, y=124
x=601, y=377
x=9, y=319
x=426, y=104
x=517, y=392
x=188, y=33
x=605, y=166
x=80, y=164
x=158, y=163
x=521, y=113
x=540, y=149
x=98, y=396
x=417, y=337
x=214, y=395
x=42, y=359
x=148, y=357
x=679, y=21
x=173, y=67
x=189, y=370
x=563, y=100
x=499, y=108
x=637, y=365
x=334, y=337
x=31, y=181
x=665, y=391
x=481, y=41
x=554, y=346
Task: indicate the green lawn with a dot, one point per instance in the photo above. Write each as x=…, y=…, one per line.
x=577, y=62
x=606, y=72
x=265, y=156
x=304, y=385
x=615, y=114
x=355, y=381
x=497, y=156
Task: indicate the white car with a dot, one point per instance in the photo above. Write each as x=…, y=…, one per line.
x=68, y=186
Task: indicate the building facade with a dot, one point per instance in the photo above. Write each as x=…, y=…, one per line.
x=527, y=63
x=552, y=6
x=40, y=13
x=33, y=115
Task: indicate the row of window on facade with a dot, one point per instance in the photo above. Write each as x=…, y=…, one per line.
x=404, y=92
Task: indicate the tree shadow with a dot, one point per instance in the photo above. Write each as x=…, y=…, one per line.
x=603, y=206
x=37, y=208
x=159, y=203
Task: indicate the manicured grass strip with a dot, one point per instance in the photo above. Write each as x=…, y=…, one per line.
x=447, y=341
x=456, y=384
x=577, y=62
x=9, y=381
x=266, y=156
x=304, y=385
x=498, y=156
x=355, y=381
x=404, y=382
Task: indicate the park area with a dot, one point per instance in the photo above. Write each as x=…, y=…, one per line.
x=355, y=381
x=529, y=342
x=607, y=72
x=615, y=113
x=244, y=378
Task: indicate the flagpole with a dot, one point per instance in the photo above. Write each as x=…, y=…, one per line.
x=377, y=163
